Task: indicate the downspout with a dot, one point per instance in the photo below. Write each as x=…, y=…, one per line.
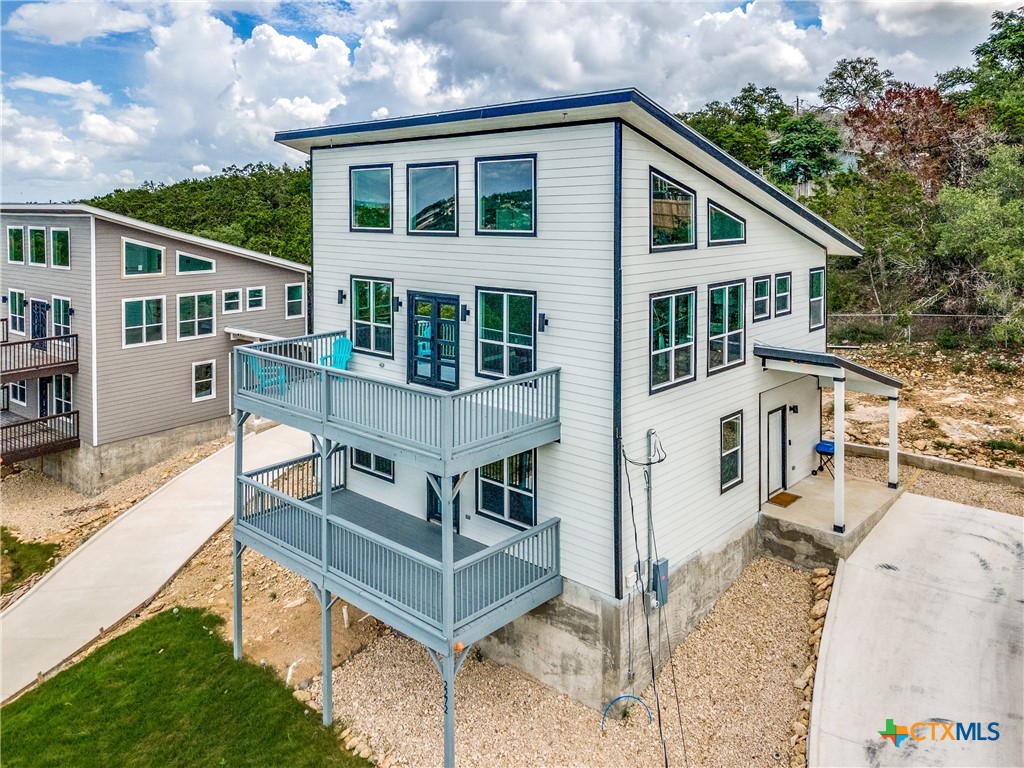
x=617, y=360
x=649, y=472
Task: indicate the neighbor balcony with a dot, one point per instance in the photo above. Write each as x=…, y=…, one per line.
x=38, y=358
x=22, y=439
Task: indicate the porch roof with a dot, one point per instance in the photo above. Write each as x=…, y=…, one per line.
x=828, y=367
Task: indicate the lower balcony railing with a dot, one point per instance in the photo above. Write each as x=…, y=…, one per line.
x=34, y=358
x=359, y=545
x=28, y=439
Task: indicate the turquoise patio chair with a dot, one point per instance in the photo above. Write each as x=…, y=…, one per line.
x=268, y=375
x=341, y=353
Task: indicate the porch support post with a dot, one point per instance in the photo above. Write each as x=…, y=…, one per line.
x=327, y=654
x=894, y=440
x=448, y=616
x=839, y=486
x=448, y=680
x=326, y=484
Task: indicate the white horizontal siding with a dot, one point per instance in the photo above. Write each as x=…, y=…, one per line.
x=690, y=511
x=569, y=266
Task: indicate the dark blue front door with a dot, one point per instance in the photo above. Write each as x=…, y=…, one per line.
x=39, y=309
x=434, y=340
x=44, y=397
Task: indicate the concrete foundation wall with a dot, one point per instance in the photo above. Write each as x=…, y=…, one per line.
x=90, y=470
x=579, y=643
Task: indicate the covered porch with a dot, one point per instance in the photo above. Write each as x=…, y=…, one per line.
x=839, y=374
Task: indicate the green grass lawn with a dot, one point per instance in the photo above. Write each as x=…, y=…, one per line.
x=23, y=558
x=168, y=693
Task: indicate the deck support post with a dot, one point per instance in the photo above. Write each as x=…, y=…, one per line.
x=448, y=616
x=894, y=442
x=326, y=601
x=839, y=459
x=237, y=548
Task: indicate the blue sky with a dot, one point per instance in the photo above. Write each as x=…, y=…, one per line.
x=104, y=94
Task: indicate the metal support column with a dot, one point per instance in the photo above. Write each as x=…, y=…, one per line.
x=327, y=654
x=894, y=443
x=237, y=548
x=448, y=616
x=839, y=422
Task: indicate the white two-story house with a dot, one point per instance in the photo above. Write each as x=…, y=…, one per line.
x=548, y=301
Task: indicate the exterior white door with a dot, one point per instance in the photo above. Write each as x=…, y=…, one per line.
x=776, y=450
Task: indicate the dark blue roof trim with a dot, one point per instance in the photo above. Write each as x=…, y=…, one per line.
x=824, y=359
x=603, y=98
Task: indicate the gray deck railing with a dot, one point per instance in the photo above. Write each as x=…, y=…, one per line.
x=288, y=373
x=45, y=355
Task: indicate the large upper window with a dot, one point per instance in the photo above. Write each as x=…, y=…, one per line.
x=294, y=300
x=673, y=214
x=17, y=310
x=195, y=315
x=731, y=450
x=817, y=303
x=506, y=489
x=726, y=346
x=143, y=320
x=37, y=246
x=762, y=298
x=188, y=263
x=783, y=291
x=433, y=199
x=204, y=380
x=16, y=245
x=61, y=316
x=672, y=345
x=506, y=195
x=372, y=464
x=371, y=198
x=505, y=336
x=60, y=248
x=724, y=226
x=371, y=315
x=142, y=259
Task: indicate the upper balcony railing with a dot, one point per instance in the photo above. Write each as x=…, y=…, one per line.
x=35, y=358
x=285, y=380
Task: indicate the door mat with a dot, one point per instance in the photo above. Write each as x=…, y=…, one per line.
x=783, y=499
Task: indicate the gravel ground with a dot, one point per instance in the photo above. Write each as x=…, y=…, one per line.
x=1001, y=498
x=734, y=672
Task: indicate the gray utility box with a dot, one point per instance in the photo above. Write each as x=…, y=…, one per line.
x=660, y=585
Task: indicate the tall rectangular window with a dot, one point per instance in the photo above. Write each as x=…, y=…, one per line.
x=16, y=245
x=195, y=315
x=370, y=192
x=143, y=321
x=672, y=338
x=783, y=306
x=294, y=300
x=673, y=214
x=37, y=246
x=62, y=399
x=433, y=199
x=141, y=259
x=724, y=226
x=817, y=302
x=60, y=248
x=506, y=195
x=726, y=337
x=762, y=298
x=505, y=333
x=204, y=380
x=254, y=298
x=17, y=310
x=61, y=316
x=506, y=490
x=372, y=315
x=372, y=464
x=731, y=450
x=231, y=301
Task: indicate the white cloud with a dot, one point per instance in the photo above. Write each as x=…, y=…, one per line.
x=38, y=147
x=84, y=95
x=201, y=168
x=73, y=22
x=380, y=113
x=130, y=127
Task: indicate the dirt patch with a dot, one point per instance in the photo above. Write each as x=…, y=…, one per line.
x=961, y=405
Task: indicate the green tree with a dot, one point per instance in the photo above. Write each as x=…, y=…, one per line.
x=854, y=82
x=805, y=149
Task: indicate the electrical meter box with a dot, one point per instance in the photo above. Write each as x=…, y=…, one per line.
x=660, y=585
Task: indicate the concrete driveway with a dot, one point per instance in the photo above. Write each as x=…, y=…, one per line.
x=923, y=643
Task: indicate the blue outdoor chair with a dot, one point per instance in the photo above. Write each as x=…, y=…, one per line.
x=268, y=375
x=341, y=353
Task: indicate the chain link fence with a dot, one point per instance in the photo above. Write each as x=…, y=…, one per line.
x=860, y=328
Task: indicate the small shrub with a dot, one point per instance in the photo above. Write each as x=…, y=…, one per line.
x=943, y=445
x=930, y=423
x=958, y=368
x=999, y=365
x=1005, y=445
x=947, y=339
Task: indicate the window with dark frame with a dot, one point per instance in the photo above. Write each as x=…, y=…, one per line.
x=673, y=350
x=371, y=464
x=506, y=195
x=816, y=306
x=731, y=450
x=506, y=490
x=505, y=332
x=673, y=214
x=434, y=503
x=371, y=198
x=372, y=316
x=724, y=226
x=432, y=199
x=762, y=298
x=783, y=291
x=726, y=327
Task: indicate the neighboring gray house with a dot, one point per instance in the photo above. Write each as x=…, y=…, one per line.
x=118, y=334
x=547, y=300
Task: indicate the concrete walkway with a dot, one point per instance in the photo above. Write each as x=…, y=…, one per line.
x=128, y=561
x=926, y=625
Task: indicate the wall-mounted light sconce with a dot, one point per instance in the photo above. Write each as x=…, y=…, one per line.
x=396, y=304
x=794, y=409
x=542, y=322
x=3, y=299
x=71, y=311
x=465, y=312
x=341, y=296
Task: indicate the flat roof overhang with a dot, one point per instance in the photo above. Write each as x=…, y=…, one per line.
x=828, y=367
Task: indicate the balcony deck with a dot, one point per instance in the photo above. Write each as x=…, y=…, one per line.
x=388, y=562
x=445, y=433
x=37, y=358
x=22, y=439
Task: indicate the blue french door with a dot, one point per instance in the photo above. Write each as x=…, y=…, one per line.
x=39, y=309
x=433, y=347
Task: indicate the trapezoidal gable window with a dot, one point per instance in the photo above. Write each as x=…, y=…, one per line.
x=371, y=198
x=141, y=259
x=506, y=195
x=672, y=338
x=433, y=198
x=189, y=264
x=673, y=214
x=724, y=226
